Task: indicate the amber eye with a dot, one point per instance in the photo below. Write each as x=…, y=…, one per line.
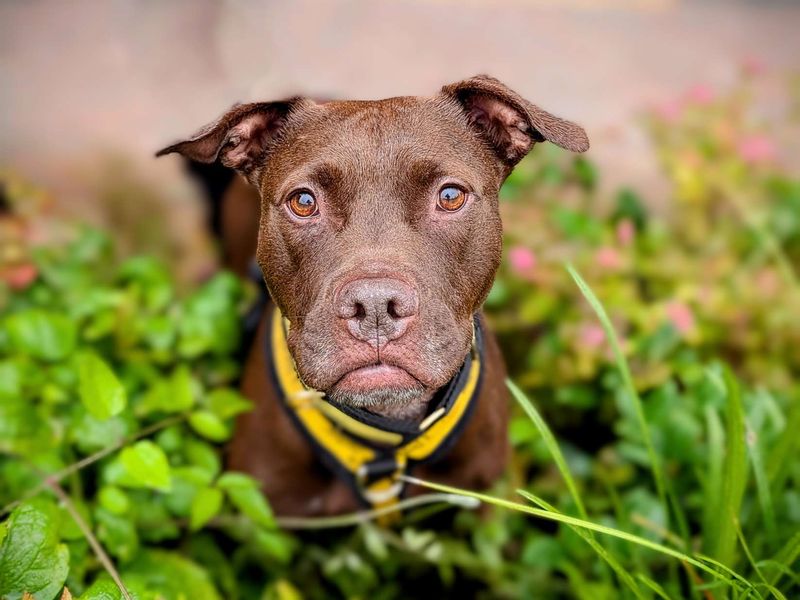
x=303, y=204
x=451, y=198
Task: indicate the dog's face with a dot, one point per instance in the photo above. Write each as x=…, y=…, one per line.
x=380, y=233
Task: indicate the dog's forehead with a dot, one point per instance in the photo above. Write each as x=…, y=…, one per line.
x=380, y=138
x=404, y=123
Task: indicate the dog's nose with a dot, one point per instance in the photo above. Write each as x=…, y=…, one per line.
x=377, y=310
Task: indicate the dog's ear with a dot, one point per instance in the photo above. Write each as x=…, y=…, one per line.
x=239, y=138
x=508, y=122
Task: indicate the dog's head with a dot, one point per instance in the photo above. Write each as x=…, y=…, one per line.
x=380, y=233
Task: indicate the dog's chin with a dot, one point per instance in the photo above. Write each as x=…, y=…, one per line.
x=406, y=403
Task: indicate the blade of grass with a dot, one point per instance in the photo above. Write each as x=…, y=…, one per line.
x=712, y=482
x=588, y=537
x=786, y=449
x=558, y=457
x=627, y=378
x=551, y=443
x=775, y=592
x=731, y=580
x=734, y=475
x=762, y=486
x=659, y=591
x=785, y=557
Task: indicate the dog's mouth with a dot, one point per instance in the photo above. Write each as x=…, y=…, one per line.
x=376, y=376
x=378, y=386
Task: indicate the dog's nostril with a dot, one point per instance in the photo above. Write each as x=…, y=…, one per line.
x=359, y=311
x=391, y=309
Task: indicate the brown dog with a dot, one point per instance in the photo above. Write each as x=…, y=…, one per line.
x=379, y=237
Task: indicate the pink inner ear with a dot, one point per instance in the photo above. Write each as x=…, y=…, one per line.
x=506, y=127
x=245, y=142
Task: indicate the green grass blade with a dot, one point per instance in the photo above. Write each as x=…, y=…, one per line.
x=739, y=534
x=659, y=591
x=762, y=487
x=785, y=557
x=551, y=443
x=622, y=365
x=734, y=476
x=712, y=484
x=749, y=586
x=604, y=554
x=731, y=579
x=786, y=449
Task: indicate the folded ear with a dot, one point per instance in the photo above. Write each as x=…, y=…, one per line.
x=508, y=122
x=238, y=139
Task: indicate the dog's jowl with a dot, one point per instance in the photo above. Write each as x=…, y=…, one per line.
x=378, y=238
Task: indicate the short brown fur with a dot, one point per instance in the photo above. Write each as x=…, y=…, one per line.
x=375, y=169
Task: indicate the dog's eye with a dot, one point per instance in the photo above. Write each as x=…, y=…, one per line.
x=451, y=198
x=303, y=204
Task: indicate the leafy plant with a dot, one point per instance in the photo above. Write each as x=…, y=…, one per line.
x=654, y=436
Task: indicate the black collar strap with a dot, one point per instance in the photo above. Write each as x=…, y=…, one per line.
x=366, y=450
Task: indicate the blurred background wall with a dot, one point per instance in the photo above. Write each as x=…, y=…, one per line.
x=84, y=80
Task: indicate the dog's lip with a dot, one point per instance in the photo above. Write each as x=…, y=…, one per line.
x=374, y=376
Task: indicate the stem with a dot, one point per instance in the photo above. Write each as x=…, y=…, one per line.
x=95, y=544
x=88, y=460
x=362, y=516
x=561, y=518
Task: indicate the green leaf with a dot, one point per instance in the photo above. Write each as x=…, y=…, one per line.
x=273, y=544
x=171, y=576
x=102, y=589
x=147, y=466
x=10, y=380
x=202, y=455
x=42, y=334
x=23, y=430
x=100, y=391
x=117, y=533
x=209, y=425
x=205, y=506
x=31, y=558
x=227, y=403
x=114, y=500
x=172, y=395
x=244, y=493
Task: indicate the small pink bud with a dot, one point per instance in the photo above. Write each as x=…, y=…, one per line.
x=753, y=66
x=701, y=95
x=681, y=317
x=608, y=258
x=669, y=110
x=592, y=336
x=757, y=148
x=626, y=231
x=521, y=259
x=20, y=277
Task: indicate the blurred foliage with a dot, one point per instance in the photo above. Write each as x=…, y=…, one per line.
x=117, y=391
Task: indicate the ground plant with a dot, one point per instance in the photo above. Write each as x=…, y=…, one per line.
x=653, y=348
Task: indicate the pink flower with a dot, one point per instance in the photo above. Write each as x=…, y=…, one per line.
x=608, y=258
x=521, y=259
x=592, y=336
x=756, y=148
x=625, y=232
x=670, y=110
x=681, y=317
x=701, y=95
x=21, y=276
x=753, y=66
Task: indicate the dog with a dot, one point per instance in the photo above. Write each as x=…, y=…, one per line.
x=376, y=227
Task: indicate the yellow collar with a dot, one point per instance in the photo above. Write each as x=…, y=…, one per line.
x=368, y=451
